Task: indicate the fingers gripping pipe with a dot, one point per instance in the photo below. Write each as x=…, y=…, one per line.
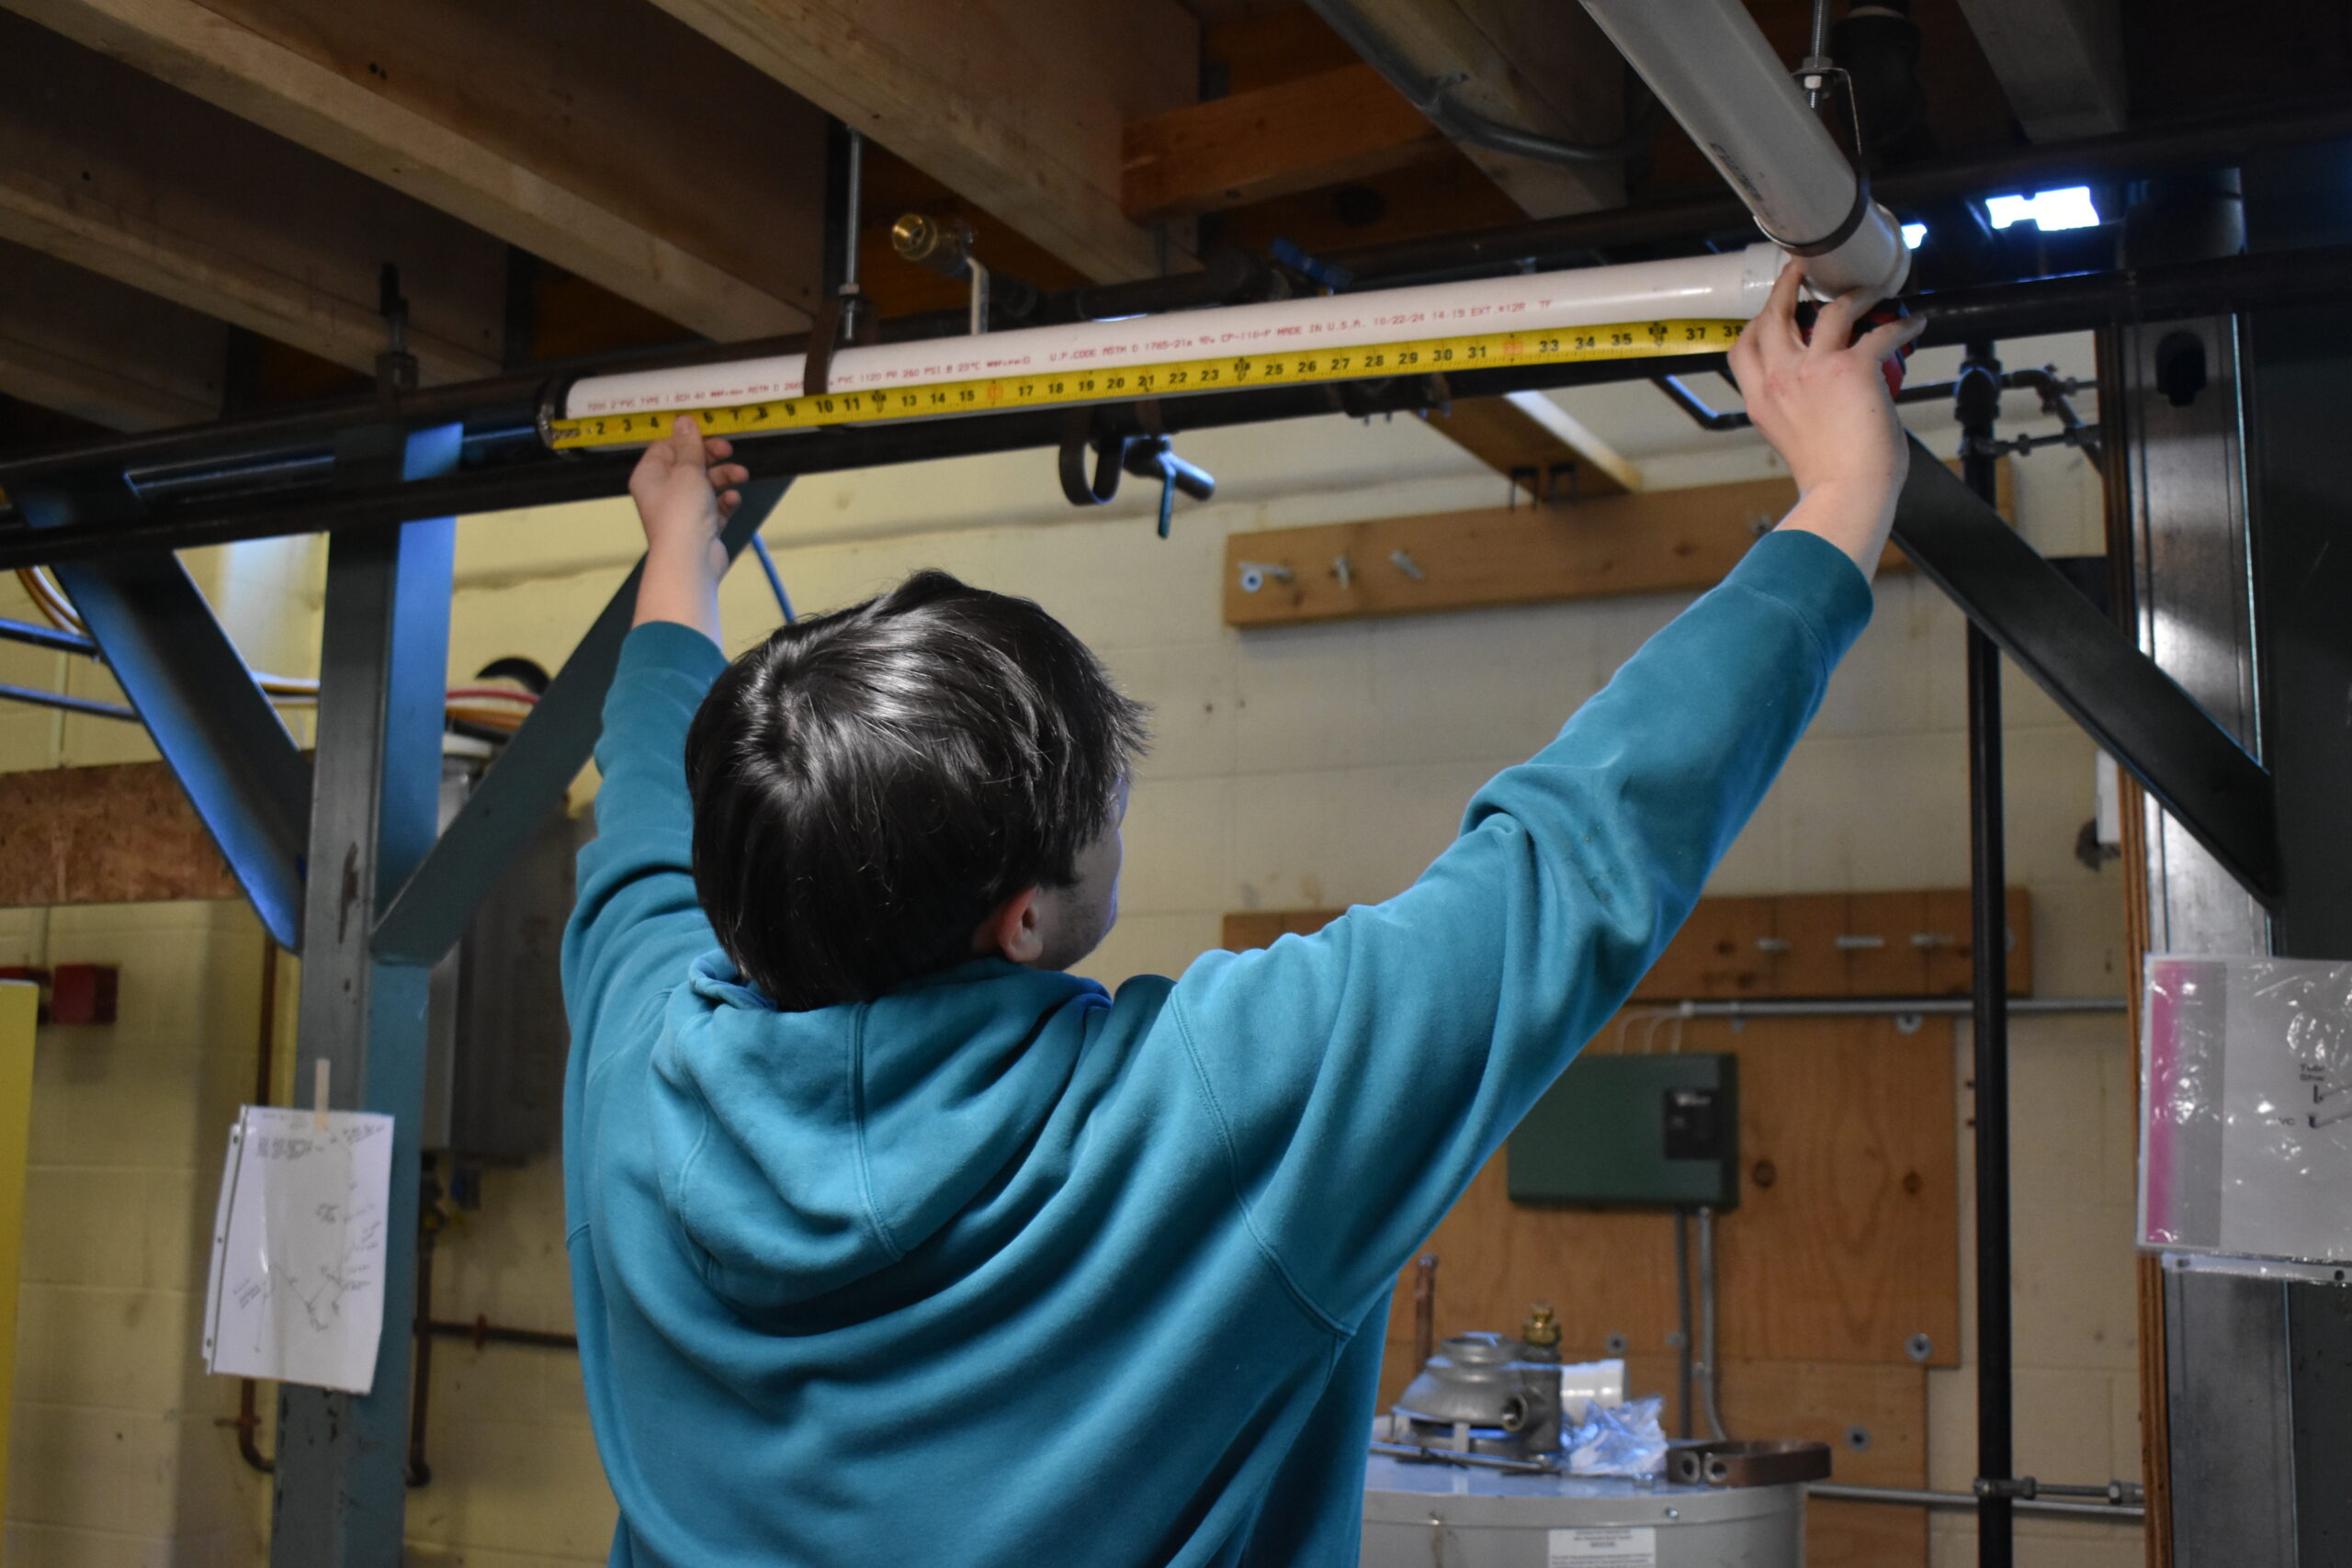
x=1713, y=68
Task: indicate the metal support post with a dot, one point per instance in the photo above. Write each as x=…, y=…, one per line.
x=1978, y=401
x=341, y=1490
x=429, y=913
x=2295, y=363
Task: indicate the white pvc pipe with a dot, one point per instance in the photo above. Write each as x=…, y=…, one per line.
x=1713, y=68
x=1730, y=286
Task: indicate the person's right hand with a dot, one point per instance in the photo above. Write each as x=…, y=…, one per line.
x=1824, y=406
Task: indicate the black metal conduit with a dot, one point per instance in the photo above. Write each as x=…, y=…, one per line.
x=1228, y=276
x=1977, y=400
x=2073, y=302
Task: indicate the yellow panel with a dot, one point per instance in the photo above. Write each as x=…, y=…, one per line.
x=19, y=1011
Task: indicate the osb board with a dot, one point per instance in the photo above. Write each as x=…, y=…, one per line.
x=122, y=834
x=1734, y=947
x=1845, y=1244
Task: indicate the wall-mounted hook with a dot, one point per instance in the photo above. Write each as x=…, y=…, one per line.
x=1256, y=573
x=1406, y=564
x=1342, y=568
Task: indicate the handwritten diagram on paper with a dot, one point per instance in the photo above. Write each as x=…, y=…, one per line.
x=298, y=1249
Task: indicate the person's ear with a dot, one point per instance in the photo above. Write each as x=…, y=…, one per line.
x=1013, y=929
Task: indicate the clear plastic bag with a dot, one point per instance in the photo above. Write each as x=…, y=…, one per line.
x=1619, y=1439
x=2247, y=1101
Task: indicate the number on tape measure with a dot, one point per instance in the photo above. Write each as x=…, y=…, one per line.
x=1619, y=341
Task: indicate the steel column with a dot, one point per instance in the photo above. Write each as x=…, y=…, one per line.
x=341, y=1488
x=428, y=915
x=1977, y=399
x=2294, y=366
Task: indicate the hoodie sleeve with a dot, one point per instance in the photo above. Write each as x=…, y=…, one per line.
x=636, y=924
x=1361, y=1077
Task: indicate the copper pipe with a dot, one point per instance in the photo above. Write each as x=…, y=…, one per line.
x=248, y=1421
x=1424, y=1310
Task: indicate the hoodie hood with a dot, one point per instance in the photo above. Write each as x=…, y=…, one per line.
x=801, y=1152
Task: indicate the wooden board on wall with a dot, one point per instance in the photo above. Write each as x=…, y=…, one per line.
x=1786, y=944
x=107, y=834
x=1846, y=1243
x=1658, y=541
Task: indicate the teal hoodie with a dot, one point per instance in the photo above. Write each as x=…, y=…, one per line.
x=1004, y=1269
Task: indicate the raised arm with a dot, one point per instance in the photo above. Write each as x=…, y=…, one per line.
x=1361, y=1077
x=636, y=922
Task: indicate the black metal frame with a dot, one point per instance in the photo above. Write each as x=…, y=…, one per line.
x=391, y=899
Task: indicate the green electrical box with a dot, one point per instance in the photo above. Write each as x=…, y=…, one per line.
x=1651, y=1132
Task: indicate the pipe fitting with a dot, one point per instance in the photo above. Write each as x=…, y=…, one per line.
x=1710, y=66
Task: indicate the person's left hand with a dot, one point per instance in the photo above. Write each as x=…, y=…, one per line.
x=684, y=491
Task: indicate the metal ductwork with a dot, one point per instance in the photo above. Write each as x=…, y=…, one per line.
x=1709, y=64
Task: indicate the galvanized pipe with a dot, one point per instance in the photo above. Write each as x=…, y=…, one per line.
x=1830, y=1491
x=1706, y=1370
x=1889, y=1006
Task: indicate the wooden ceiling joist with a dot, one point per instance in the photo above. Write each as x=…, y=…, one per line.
x=599, y=134
x=116, y=172
x=1529, y=438
x=1017, y=106
x=1538, y=65
x=1323, y=130
x=86, y=345
x=2060, y=62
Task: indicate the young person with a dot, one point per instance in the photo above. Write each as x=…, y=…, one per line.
x=893, y=1243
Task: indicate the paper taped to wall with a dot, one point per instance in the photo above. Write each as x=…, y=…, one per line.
x=298, y=1249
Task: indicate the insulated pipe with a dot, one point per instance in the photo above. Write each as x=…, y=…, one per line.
x=1709, y=64
x=1732, y=285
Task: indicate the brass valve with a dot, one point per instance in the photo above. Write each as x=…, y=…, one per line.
x=1542, y=1330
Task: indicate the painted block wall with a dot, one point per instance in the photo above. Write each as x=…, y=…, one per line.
x=1294, y=767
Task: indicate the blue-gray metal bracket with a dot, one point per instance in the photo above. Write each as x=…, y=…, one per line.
x=2155, y=730
x=429, y=914
x=247, y=780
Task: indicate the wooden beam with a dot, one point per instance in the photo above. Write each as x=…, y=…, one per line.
x=86, y=345
x=1526, y=433
x=1016, y=107
x=1535, y=64
x=2060, y=61
x=1316, y=130
x=124, y=834
x=120, y=175
x=599, y=134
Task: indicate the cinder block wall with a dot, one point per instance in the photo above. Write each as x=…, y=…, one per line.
x=1307, y=766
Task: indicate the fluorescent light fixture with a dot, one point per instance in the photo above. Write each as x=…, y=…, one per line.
x=2048, y=210
x=1915, y=234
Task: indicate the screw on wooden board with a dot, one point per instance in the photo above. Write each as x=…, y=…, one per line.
x=1406, y=565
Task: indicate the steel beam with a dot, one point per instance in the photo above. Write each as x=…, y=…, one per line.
x=341, y=1488
x=260, y=491
x=429, y=914
x=2075, y=654
x=241, y=770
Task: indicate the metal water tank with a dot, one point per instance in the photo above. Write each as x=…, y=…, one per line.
x=1437, y=1516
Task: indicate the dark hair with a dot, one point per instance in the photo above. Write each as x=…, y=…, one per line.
x=868, y=784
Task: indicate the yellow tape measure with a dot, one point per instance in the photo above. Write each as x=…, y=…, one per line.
x=1481, y=351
